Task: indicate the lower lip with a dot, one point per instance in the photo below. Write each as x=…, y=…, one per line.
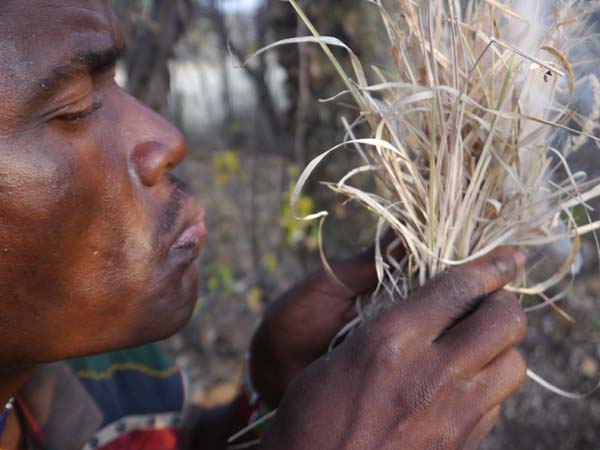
x=191, y=240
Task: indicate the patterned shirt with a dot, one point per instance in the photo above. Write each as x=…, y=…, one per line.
x=128, y=400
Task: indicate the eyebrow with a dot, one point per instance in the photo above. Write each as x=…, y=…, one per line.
x=90, y=62
x=96, y=61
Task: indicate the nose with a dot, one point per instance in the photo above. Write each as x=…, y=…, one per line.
x=155, y=157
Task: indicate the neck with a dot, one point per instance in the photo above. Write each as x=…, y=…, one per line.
x=11, y=383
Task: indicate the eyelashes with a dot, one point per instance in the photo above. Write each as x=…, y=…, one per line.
x=78, y=116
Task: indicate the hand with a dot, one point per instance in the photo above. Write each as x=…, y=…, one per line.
x=298, y=328
x=425, y=375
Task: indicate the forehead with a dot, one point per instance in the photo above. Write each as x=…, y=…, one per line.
x=41, y=34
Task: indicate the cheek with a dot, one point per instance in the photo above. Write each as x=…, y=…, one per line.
x=46, y=173
x=40, y=194
x=63, y=224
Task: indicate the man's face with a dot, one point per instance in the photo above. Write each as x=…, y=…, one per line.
x=97, y=241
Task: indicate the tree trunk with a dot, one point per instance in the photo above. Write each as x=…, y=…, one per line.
x=154, y=40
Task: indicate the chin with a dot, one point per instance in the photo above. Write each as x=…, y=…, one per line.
x=165, y=313
x=174, y=321
x=141, y=319
x=176, y=309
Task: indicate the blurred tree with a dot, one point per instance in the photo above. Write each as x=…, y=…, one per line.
x=257, y=71
x=316, y=126
x=152, y=28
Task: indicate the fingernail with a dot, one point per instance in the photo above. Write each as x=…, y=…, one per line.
x=520, y=259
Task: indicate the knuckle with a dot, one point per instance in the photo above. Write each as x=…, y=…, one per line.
x=510, y=313
x=379, y=343
x=379, y=328
x=505, y=376
x=456, y=286
x=352, y=347
x=386, y=352
x=511, y=371
x=469, y=284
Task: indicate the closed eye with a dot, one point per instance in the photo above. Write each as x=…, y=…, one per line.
x=79, y=115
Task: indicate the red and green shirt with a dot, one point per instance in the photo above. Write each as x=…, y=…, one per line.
x=128, y=400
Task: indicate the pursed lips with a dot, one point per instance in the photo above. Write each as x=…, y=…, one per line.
x=192, y=234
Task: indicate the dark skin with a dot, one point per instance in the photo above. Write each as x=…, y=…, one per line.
x=99, y=243
x=428, y=374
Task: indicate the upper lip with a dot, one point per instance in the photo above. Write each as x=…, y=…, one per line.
x=192, y=214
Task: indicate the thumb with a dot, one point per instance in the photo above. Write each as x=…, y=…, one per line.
x=358, y=275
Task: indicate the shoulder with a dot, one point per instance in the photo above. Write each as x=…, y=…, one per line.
x=141, y=396
x=137, y=396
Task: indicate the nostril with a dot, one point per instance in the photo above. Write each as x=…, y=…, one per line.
x=153, y=159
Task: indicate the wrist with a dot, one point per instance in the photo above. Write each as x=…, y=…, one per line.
x=253, y=413
x=266, y=369
x=210, y=428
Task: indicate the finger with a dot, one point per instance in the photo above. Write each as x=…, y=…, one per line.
x=358, y=275
x=482, y=429
x=498, y=380
x=316, y=309
x=498, y=324
x=456, y=292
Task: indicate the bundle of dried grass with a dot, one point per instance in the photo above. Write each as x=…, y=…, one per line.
x=463, y=135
